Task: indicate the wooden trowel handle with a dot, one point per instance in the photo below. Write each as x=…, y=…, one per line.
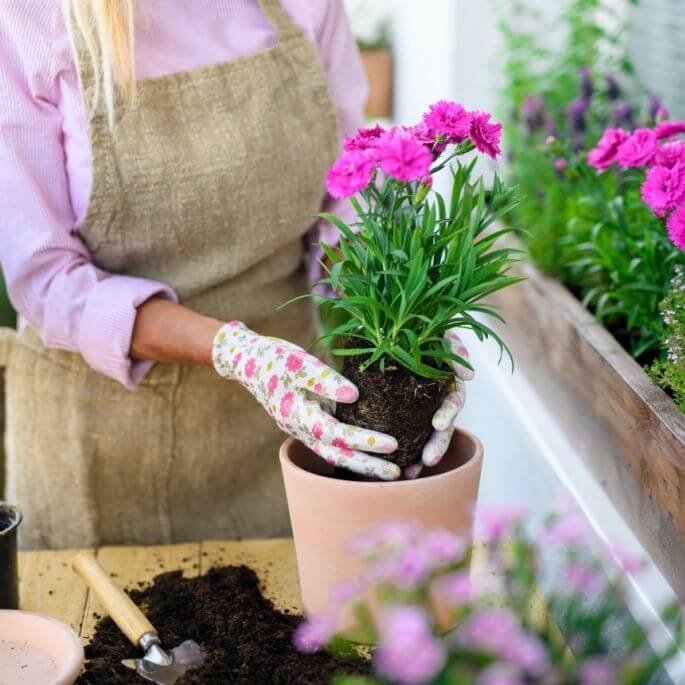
x=130, y=619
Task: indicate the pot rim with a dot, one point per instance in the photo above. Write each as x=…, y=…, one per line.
x=16, y=515
x=473, y=462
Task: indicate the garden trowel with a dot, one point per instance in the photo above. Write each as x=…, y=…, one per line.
x=157, y=664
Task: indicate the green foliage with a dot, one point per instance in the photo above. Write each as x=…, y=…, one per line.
x=669, y=371
x=417, y=268
x=592, y=231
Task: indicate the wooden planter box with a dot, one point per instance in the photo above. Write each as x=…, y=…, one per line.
x=629, y=431
x=378, y=64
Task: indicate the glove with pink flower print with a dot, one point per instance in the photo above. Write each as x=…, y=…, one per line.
x=445, y=418
x=285, y=380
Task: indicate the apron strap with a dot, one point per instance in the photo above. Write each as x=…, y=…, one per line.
x=282, y=23
x=7, y=337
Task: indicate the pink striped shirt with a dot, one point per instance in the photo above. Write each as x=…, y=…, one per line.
x=45, y=157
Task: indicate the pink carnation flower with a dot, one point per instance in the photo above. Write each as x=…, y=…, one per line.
x=403, y=157
x=409, y=653
x=668, y=129
x=364, y=139
x=664, y=189
x=670, y=153
x=485, y=135
x=639, y=149
x=603, y=155
x=312, y=635
x=351, y=173
x=676, y=227
x=449, y=120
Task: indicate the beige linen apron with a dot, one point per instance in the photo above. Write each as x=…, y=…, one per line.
x=208, y=184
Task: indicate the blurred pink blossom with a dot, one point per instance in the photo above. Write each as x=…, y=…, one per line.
x=603, y=155
x=408, y=652
x=497, y=523
x=668, y=129
x=639, y=149
x=486, y=136
x=598, y=671
x=500, y=674
x=676, y=227
x=313, y=634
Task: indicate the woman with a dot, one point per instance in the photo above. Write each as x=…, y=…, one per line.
x=161, y=165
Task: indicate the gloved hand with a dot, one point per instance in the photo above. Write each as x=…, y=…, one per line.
x=283, y=378
x=445, y=418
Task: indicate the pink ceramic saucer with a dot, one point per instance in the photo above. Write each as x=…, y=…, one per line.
x=37, y=649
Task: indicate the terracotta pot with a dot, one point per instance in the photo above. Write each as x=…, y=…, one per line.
x=326, y=513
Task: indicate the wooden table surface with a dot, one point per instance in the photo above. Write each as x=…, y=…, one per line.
x=49, y=586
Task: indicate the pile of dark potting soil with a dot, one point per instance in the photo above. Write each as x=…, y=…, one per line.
x=247, y=641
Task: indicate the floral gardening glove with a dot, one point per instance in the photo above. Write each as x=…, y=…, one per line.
x=285, y=379
x=444, y=419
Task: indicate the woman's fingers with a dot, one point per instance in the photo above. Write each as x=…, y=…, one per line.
x=436, y=447
x=321, y=379
x=450, y=408
x=329, y=431
x=358, y=462
x=458, y=348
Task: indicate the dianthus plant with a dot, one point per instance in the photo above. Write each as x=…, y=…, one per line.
x=414, y=264
x=419, y=583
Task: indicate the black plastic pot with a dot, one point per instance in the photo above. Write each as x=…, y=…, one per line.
x=10, y=518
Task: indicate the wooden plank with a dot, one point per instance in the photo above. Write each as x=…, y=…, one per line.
x=629, y=432
x=273, y=561
x=47, y=585
x=131, y=566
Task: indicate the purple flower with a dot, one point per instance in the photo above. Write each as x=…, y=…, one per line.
x=613, y=89
x=586, y=87
x=603, y=155
x=668, y=129
x=533, y=111
x=443, y=547
x=655, y=106
x=581, y=580
x=576, y=114
x=402, y=156
x=492, y=630
x=364, y=139
x=408, y=652
x=664, y=189
x=500, y=674
x=528, y=652
x=597, y=671
x=676, y=227
x=313, y=635
x=567, y=530
x=457, y=588
x=497, y=523
x=639, y=149
x=485, y=135
x=622, y=115
x=628, y=563
x=351, y=173
x=670, y=153
x=560, y=164
x=411, y=568
x=449, y=120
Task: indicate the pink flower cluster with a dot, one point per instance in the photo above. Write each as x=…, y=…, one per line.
x=663, y=189
x=406, y=153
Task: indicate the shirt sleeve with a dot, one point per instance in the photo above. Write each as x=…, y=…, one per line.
x=50, y=277
x=348, y=88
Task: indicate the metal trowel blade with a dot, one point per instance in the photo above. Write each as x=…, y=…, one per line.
x=184, y=657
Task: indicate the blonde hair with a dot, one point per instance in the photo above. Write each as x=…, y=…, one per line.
x=106, y=29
